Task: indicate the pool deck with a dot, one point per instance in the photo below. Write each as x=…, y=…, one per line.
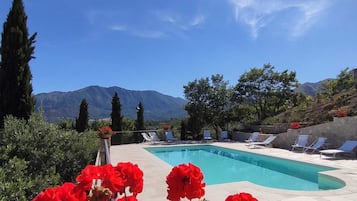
x=156, y=170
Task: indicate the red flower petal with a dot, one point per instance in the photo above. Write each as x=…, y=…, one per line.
x=185, y=181
x=241, y=197
x=132, y=176
x=85, y=179
x=61, y=193
x=130, y=198
x=112, y=179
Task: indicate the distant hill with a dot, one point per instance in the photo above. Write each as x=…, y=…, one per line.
x=157, y=106
x=310, y=88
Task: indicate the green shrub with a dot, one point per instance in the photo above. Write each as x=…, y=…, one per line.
x=270, y=120
x=37, y=154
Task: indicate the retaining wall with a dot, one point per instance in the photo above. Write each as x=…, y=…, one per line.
x=337, y=132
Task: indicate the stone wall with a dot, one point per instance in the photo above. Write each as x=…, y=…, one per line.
x=337, y=132
x=242, y=136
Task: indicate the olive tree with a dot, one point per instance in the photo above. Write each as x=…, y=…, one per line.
x=269, y=92
x=208, y=102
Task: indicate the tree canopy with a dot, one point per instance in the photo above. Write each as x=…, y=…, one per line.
x=16, y=51
x=258, y=94
x=344, y=80
x=267, y=90
x=208, y=100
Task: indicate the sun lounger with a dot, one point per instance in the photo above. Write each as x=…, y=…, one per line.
x=146, y=137
x=318, y=144
x=154, y=136
x=224, y=135
x=151, y=137
x=266, y=142
x=169, y=136
x=346, y=147
x=207, y=135
x=301, y=142
x=253, y=137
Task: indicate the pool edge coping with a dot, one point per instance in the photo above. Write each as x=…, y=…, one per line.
x=343, y=173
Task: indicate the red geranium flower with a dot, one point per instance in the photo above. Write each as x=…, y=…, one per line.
x=241, y=197
x=185, y=181
x=166, y=127
x=129, y=198
x=105, y=132
x=341, y=112
x=295, y=125
x=48, y=194
x=112, y=179
x=85, y=179
x=61, y=193
x=106, y=174
x=132, y=177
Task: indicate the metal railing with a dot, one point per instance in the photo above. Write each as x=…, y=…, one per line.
x=103, y=154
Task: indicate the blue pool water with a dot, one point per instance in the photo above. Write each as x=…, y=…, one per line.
x=222, y=165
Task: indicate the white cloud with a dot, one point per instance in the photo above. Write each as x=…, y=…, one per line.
x=151, y=24
x=310, y=14
x=117, y=27
x=149, y=34
x=257, y=14
x=142, y=33
x=180, y=22
x=166, y=17
x=198, y=20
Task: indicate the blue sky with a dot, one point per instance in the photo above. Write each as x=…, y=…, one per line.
x=162, y=45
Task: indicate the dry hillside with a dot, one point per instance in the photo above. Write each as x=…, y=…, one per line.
x=322, y=109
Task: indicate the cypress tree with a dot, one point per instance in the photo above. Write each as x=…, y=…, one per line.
x=116, y=113
x=82, y=121
x=139, y=122
x=15, y=75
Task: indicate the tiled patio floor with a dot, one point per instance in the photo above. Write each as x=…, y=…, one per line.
x=156, y=170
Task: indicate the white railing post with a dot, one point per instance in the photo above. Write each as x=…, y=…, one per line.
x=103, y=156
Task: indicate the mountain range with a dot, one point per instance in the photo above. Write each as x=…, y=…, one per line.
x=310, y=88
x=58, y=105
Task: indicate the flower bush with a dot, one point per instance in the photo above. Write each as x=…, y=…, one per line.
x=166, y=127
x=341, y=112
x=99, y=183
x=124, y=182
x=105, y=132
x=295, y=125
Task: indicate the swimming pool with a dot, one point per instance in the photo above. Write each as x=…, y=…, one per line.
x=222, y=165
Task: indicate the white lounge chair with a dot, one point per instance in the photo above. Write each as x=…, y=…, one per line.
x=151, y=137
x=170, y=136
x=346, y=147
x=207, y=135
x=318, y=144
x=265, y=143
x=301, y=142
x=253, y=137
x=146, y=137
x=154, y=136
